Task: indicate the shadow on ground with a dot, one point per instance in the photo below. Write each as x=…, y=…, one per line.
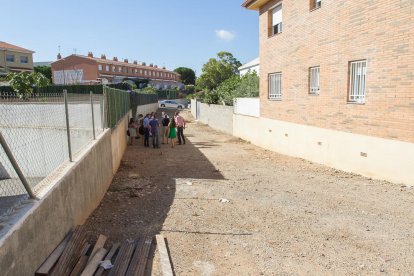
x=143, y=190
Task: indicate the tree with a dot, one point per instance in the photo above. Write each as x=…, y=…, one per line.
x=45, y=70
x=187, y=75
x=234, y=87
x=23, y=82
x=217, y=70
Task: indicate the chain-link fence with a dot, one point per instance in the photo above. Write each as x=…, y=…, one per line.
x=40, y=133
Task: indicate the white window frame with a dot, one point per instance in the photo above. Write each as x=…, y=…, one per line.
x=100, y=67
x=275, y=86
x=113, y=68
x=314, y=80
x=357, y=81
x=276, y=28
x=10, y=58
x=119, y=69
x=107, y=68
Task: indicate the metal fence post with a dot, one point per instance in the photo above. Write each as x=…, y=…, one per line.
x=65, y=97
x=16, y=166
x=93, y=117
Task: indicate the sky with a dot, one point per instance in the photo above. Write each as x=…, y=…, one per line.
x=171, y=33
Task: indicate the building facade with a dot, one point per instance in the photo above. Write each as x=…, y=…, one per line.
x=78, y=69
x=251, y=66
x=340, y=66
x=15, y=59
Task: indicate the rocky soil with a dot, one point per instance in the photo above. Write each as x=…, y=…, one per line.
x=230, y=208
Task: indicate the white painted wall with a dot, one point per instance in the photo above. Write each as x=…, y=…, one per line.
x=219, y=117
x=194, y=108
x=247, y=106
x=385, y=159
x=147, y=108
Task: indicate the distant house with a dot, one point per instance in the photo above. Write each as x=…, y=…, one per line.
x=43, y=63
x=89, y=69
x=14, y=58
x=253, y=65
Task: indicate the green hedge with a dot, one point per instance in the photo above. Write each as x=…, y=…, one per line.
x=56, y=89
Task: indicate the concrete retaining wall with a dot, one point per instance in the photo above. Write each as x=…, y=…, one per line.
x=219, y=117
x=119, y=142
x=369, y=156
x=69, y=201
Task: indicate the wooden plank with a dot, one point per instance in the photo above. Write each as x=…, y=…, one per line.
x=140, y=258
x=164, y=257
x=99, y=244
x=71, y=254
x=80, y=266
x=134, y=260
x=108, y=257
x=47, y=266
x=94, y=262
x=82, y=262
x=123, y=259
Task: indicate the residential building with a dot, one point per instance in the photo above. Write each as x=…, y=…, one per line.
x=14, y=58
x=337, y=82
x=89, y=69
x=42, y=63
x=251, y=66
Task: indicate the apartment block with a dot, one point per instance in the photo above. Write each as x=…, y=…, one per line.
x=14, y=58
x=89, y=69
x=340, y=68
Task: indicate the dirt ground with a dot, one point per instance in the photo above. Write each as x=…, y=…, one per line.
x=227, y=207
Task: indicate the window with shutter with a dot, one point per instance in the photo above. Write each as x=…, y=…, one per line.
x=275, y=20
x=315, y=4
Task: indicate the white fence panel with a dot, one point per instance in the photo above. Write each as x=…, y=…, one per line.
x=247, y=106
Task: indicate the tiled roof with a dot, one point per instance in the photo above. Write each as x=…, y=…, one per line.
x=8, y=46
x=121, y=63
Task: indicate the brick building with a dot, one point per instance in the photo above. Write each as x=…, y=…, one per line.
x=89, y=69
x=339, y=70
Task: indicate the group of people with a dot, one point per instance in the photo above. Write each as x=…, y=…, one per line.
x=149, y=126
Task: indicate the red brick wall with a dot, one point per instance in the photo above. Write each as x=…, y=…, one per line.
x=382, y=32
x=90, y=67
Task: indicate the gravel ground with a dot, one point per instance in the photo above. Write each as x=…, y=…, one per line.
x=230, y=208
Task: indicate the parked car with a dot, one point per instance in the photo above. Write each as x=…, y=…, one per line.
x=171, y=104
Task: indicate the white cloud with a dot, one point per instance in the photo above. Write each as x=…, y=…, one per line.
x=225, y=35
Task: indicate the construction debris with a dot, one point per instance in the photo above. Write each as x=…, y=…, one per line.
x=75, y=256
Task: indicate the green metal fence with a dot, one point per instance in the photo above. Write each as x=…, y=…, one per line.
x=167, y=94
x=118, y=105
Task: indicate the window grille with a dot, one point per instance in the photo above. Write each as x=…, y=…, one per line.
x=357, y=79
x=275, y=86
x=314, y=82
